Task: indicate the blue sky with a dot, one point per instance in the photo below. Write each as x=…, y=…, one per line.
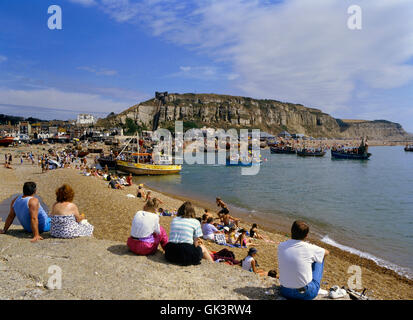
x=112, y=54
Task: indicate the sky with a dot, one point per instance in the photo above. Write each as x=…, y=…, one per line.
x=112, y=54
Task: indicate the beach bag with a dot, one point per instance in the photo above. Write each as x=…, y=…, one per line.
x=220, y=238
x=225, y=253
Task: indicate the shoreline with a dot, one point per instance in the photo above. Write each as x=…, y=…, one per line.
x=111, y=215
x=314, y=236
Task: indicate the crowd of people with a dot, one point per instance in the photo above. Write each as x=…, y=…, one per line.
x=300, y=263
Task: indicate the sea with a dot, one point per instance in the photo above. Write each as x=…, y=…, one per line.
x=364, y=207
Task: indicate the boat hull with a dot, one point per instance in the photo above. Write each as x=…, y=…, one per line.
x=5, y=142
x=312, y=154
x=339, y=155
x=282, y=151
x=107, y=162
x=147, y=169
x=408, y=149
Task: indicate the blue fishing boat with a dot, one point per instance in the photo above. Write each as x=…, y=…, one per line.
x=349, y=155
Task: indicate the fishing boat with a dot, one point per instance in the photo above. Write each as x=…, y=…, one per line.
x=310, y=153
x=349, y=155
x=146, y=163
x=6, y=141
x=408, y=148
x=108, y=161
x=283, y=150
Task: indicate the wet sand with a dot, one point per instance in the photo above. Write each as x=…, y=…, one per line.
x=111, y=212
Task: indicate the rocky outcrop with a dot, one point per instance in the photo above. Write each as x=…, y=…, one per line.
x=223, y=111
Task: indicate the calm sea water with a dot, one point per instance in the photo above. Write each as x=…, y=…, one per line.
x=365, y=207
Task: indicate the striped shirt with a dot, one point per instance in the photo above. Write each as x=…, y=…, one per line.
x=184, y=230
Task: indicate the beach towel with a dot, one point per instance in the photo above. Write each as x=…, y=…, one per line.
x=220, y=238
x=130, y=196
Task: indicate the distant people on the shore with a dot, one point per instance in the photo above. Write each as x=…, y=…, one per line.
x=66, y=221
x=300, y=264
x=129, y=180
x=146, y=232
x=185, y=246
x=249, y=263
x=29, y=212
x=224, y=216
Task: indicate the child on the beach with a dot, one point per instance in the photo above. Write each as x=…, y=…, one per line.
x=231, y=238
x=242, y=238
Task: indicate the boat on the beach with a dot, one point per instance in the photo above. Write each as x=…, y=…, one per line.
x=283, y=150
x=143, y=164
x=349, y=155
x=95, y=150
x=6, y=141
x=108, y=161
x=310, y=153
x=82, y=154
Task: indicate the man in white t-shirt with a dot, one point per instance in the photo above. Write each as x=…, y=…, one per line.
x=300, y=264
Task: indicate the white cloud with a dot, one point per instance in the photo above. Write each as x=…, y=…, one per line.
x=56, y=99
x=99, y=72
x=296, y=50
x=3, y=59
x=86, y=3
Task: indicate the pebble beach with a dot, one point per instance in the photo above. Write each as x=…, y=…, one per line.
x=111, y=212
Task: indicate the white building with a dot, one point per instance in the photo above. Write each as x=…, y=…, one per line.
x=85, y=119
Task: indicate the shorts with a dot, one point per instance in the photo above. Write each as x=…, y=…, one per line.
x=184, y=254
x=224, y=211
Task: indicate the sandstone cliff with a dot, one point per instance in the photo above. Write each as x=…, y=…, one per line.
x=223, y=111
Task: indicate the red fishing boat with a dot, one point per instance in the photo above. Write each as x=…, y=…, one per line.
x=6, y=141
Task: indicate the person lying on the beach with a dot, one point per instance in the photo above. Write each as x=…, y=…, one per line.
x=242, y=240
x=208, y=229
x=147, y=233
x=66, y=221
x=114, y=185
x=29, y=212
x=300, y=264
x=250, y=264
x=185, y=246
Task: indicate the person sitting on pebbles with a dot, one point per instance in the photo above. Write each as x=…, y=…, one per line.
x=250, y=263
x=29, y=212
x=147, y=233
x=66, y=221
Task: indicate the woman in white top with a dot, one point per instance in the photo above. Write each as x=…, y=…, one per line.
x=249, y=263
x=146, y=232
